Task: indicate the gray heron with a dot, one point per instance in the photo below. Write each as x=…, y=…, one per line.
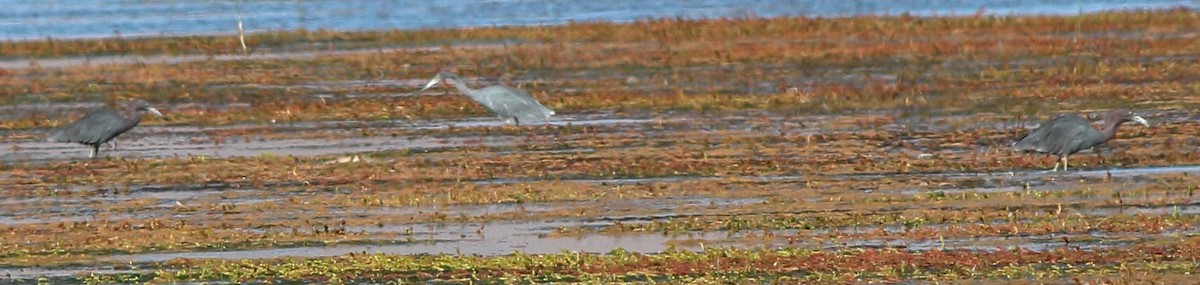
x=102, y=125
x=510, y=104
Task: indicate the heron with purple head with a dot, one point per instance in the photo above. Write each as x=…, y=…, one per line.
x=1068, y=134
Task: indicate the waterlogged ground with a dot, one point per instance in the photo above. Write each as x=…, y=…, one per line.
x=733, y=158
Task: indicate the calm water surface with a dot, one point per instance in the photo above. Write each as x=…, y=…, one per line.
x=85, y=19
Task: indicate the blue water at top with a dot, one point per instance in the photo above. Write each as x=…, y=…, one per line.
x=104, y=18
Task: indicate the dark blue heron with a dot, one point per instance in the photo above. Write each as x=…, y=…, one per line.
x=1068, y=134
x=511, y=104
x=102, y=125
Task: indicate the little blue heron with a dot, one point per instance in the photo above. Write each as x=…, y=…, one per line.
x=102, y=125
x=511, y=104
x=1068, y=134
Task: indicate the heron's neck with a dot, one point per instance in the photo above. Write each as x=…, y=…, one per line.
x=1110, y=129
x=132, y=116
x=462, y=87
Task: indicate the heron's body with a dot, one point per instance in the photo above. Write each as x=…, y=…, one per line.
x=102, y=125
x=510, y=104
x=1064, y=135
x=1068, y=134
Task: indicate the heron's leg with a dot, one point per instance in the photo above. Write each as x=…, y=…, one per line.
x=1064, y=161
x=516, y=121
x=1056, y=162
x=95, y=151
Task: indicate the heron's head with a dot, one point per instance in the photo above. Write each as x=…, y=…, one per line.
x=441, y=77
x=1124, y=115
x=141, y=107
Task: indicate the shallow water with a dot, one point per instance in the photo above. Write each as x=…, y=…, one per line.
x=30, y=275
x=537, y=238
x=72, y=19
x=343, y=138
x=585, y=224
x=468, y=239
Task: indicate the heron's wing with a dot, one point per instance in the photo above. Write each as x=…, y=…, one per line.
x=1062, y=135
x=94, y=128
x=511, y=102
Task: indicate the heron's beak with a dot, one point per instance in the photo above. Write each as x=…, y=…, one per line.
x=155, y=112
x=1139, y=120
x=431, y=83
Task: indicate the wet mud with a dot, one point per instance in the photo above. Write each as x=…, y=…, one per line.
x=853, y=150
x=640, y=224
